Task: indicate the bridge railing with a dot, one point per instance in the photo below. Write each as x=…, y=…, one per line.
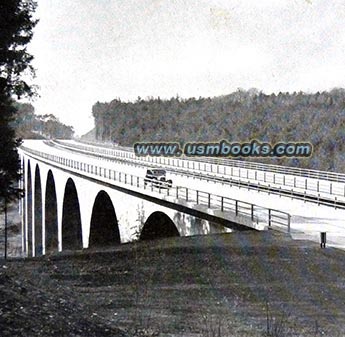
x=308, y=180
x=302, y=172
x=255, y=213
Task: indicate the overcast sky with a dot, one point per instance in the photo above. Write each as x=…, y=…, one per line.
x=97, y=50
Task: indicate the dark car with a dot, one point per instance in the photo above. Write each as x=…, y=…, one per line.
x=157, y=177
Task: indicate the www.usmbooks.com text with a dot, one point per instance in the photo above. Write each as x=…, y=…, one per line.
x=224, y=148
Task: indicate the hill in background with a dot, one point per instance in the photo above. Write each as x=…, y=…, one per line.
x=238, y=117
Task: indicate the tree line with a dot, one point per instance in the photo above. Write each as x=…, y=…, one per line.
x=318, y=118
x=29, y=125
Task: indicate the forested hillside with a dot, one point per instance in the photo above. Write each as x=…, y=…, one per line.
x=29, y=125
x=238, y=117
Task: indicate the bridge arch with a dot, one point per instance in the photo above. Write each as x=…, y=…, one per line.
x=104, y=229
x=71, y=220
x=38, y=212
x=29, y=208
x=51, y=220
x=158, y=225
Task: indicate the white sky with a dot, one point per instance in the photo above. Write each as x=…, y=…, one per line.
x=97, y=50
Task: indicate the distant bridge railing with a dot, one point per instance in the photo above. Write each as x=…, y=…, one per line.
x=256, y=213
x=252, y=171
x=302, y=172
x=241, y=182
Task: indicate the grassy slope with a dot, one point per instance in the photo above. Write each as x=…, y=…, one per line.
x=197, y=285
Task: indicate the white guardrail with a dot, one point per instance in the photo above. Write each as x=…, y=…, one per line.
x=307, y=173
x=256, y=213
x=264, y=179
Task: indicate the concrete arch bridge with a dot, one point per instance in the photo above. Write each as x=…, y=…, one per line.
x=73, y=202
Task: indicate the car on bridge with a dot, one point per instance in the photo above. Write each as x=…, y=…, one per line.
x=157, y=177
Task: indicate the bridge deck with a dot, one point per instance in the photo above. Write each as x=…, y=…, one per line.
x=307, y=219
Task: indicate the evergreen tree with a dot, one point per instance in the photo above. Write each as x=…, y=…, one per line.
x=16, y=30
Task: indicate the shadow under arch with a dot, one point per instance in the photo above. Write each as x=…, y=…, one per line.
x=71, y=220
x=51, y=221
x=38, y=212
x=104, y=229
x=158, y=225
x=29, y=208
